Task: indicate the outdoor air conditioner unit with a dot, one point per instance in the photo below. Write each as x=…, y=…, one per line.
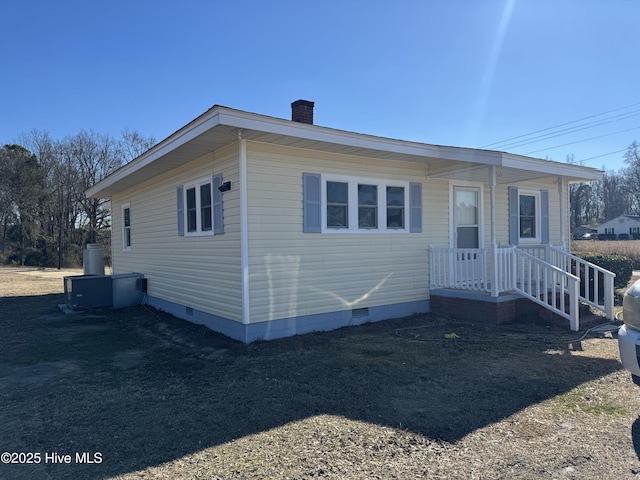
x=88, y=291
x=128, y=289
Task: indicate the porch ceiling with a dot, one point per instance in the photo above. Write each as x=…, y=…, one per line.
x=221, y=126
x=504, y=174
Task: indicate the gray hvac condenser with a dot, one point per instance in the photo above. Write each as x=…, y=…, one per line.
x=88, y=291
x=127, y=289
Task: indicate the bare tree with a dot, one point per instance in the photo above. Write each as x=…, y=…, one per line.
x=133, y=144
x=632, y=176
x=615, y=195
x=44, y=211
x=580, y=200
x=93, y=157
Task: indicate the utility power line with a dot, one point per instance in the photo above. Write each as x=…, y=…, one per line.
x=603, y=155
x=583, y=140
x=569, y=130
x=557, y=130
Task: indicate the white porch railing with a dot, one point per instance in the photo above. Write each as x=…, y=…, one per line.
x=459, y=268
x=545, y=274
x=596, y=283
x=547, y=285
x=592, y=278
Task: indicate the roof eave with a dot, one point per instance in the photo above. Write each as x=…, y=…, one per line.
x=549, y=167
x=196, y=127
x=240, y=120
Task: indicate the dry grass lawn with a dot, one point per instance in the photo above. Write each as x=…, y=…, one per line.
x=159, y=398
x=628, y=248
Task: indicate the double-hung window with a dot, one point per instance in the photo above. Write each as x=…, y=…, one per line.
x=126, y=227
x=396, y=207
x=367, y=206
x=199, y=208
x=337, y=204
x=363, y=205
x=529, y=214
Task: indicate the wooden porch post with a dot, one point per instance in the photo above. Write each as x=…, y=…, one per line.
x=494, y=243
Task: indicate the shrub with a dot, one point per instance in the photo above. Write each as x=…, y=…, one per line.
x=629, y=248
x=33, y=257
x=621, y=265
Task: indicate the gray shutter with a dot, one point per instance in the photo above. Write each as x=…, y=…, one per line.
x=180, y=202
x=218, y=218
x=415, y=205
x=514, y=216
x=544, y=216
x=311, y=218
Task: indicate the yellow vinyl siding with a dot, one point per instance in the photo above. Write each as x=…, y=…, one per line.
x=435, y=200
x=294, y=273
x=291, y=273
x=198, y=272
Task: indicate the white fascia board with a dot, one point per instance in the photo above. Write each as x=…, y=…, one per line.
x=550, y=167
x=182, y=136
x=219, y=115
x=243, y=120
x=471, y=155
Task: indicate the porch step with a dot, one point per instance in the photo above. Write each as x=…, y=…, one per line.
x=588, y=319
x=547, y=316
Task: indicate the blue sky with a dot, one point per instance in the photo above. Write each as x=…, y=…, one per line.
x=449, y=72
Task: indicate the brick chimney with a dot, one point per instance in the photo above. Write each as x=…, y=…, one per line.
x=302, y=111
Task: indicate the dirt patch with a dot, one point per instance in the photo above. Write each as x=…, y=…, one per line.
x=129, y=359
x=33, y=375
x=419, y=397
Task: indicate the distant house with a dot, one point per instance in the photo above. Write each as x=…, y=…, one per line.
x=621, y=227
x=260, y=227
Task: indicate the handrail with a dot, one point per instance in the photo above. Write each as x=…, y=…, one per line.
x=545, y=274
x=590, y=277
x=547, y=285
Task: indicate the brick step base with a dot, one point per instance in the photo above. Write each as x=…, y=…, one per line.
x=519, y=310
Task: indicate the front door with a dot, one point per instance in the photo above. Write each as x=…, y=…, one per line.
x=469, y=265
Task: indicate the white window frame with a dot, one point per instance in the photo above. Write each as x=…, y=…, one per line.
x=188, y=186
x=125, y=247
x=353, y=183
x=538, y=219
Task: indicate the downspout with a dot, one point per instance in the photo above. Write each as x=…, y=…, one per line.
x=113, y=245
x=244, y=228
x=494, y=242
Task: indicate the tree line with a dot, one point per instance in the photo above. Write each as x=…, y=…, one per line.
x=618, y=193
x=45, y=217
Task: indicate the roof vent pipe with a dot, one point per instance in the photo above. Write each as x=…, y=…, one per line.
x=302, y=111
